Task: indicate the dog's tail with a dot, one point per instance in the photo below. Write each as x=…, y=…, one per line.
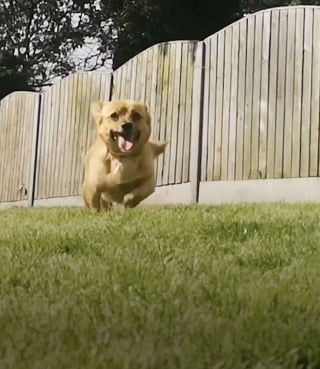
x=158, y=147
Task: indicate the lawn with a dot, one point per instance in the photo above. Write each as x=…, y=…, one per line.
x=170, y=287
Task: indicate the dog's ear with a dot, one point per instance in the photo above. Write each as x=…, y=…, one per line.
x=158, y=147
x=96, y=110
x=148, y=118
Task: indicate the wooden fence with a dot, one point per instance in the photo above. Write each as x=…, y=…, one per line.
x=240, y=110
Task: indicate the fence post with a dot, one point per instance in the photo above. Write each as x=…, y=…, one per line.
x=197, y=121
x=34, y=155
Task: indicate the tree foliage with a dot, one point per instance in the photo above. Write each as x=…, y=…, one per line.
x=250, y=6
x=139, y=24
x=10, y=78
x=39, y=36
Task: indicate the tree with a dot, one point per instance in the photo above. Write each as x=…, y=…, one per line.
x=39, y=37
x=10, y=79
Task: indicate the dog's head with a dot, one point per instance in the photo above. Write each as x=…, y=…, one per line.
x=123, y=125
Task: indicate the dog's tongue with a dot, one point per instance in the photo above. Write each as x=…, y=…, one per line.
x=124, y=144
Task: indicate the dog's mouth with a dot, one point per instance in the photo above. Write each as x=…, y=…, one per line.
x=126, y=139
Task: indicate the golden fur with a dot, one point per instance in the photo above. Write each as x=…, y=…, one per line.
x=119, y=166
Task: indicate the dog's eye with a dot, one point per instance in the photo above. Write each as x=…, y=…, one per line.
x=136, y=116
x=114, y=116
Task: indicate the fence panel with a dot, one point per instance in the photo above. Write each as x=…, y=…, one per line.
x=162, y=77
x=18, y=121
x=261, y=92
x=66, y=131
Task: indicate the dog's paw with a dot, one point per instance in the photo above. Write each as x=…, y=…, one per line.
x=129, y=200
x=94, y=210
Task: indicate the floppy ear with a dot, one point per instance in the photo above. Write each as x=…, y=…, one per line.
x=158, y=147
x=96, y=110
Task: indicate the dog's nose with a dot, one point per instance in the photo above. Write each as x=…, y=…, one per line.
x=127, y=127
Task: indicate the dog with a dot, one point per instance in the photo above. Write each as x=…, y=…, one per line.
x=119, y=166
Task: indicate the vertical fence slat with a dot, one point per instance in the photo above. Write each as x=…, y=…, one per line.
x=297, y=88
x=233, y=102
x=137, y=80
x=263, y=126
x=79, y=116
x=181, y=113
x=124, y=76
x=176, y=128
x=143, y=82
x=315, y=98
x=134, y=72
x=15, y=129
x=256, y=99
x=248, y=99
x=69, y=86
x=193, y=64
x=164, y=103
x=219, y=107
x=61, y=144
x=169, y=116
x=84, y=129
x=281, y=80
x=306, y=93
x=73, y=122
x=14, y=185
x=2, y=146
x=226, y=104
x=241, y=98
x=206, y=113
x=156, y=124
x=149, y=74
x=288, y=111
x=210, y=114
x=8, y=138
x=272, y=114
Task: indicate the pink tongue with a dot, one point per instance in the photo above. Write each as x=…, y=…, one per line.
x=124, y=144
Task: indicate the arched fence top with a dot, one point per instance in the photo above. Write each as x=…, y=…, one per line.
x=15, y=94
x=162, y=46
x=76, y=75
x=259, y=13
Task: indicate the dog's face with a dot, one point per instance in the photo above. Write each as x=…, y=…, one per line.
x=123, y=125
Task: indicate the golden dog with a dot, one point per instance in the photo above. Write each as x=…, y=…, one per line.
x=119, y=167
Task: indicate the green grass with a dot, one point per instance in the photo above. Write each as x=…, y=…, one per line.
x=185, y=287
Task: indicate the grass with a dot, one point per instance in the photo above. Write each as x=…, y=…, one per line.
x=185, y=287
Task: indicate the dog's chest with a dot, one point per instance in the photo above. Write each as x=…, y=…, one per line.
x=124, y=177
x=124, y=172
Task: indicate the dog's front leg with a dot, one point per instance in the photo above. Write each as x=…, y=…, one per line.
x=92, y=193
x=133, y=198
x=92, y=196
